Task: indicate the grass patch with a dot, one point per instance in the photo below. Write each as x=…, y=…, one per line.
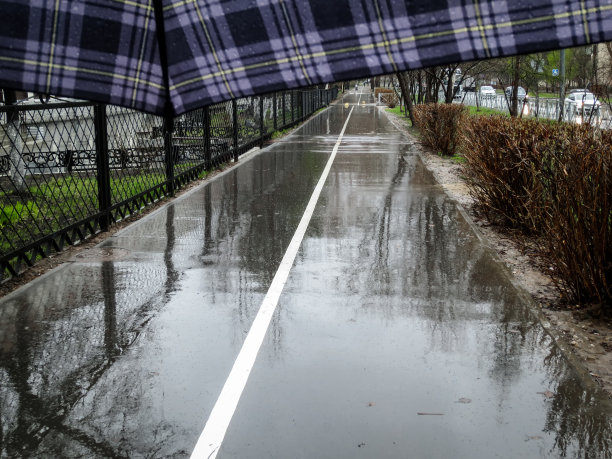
x=203, y=174
x=396, y=110
x=11, y=213
x=483, y=111
x=403, y=115
x=57, y=203
x=458, y=158
x=281, y=133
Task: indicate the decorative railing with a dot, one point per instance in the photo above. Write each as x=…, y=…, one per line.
x=70, y=169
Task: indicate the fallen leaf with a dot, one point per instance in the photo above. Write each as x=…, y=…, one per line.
x=547, y=394
x=464, y=400
x=371, y=403
x=534, y=437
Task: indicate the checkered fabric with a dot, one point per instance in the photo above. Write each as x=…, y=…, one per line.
x=107, y=50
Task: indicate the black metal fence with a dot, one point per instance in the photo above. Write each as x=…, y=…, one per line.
x=70, y=169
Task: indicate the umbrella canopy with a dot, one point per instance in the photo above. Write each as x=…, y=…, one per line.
x=170, y=56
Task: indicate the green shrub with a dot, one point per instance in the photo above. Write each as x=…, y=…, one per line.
x=440, y=126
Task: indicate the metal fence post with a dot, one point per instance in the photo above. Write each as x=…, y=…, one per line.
x=235, y=121
x=168, y=128
x=284, y=108
x=292, y=106
x=206, y=126
x=261, y=121
x=300, y=105
x=102, y=165
x=274, y=112
x=311, y=101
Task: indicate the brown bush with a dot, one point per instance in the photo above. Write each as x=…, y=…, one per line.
x=578, y=229
x=553, y=181
x=440, y=126
x=504, y=158
x=378, y=91
x=389, y=99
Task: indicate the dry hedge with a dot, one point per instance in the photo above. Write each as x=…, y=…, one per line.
x=553, y=181
x=505, y=157
x=440, y=126
x=578, y=226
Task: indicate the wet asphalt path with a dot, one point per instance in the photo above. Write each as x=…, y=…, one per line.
x=396, y=335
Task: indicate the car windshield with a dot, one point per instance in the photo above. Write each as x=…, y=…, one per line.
x=520, y=92
x=585, y=96
x=486, y=88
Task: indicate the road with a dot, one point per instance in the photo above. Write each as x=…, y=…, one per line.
x=393, y=332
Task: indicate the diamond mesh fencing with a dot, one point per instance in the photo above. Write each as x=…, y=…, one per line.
x=70, y=169
x=249, y=119
x=189, y=145
x=48, y=189
x=136, y=158
x=221, y=122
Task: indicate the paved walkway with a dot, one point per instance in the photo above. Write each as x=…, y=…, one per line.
x=391, y=333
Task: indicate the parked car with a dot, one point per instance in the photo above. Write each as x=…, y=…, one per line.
x=487, y=91
x=583, y=102
x=520, y=93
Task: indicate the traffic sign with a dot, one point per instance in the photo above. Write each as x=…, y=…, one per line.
x=555, y=72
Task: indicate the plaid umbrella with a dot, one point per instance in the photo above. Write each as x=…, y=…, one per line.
x=170, y=56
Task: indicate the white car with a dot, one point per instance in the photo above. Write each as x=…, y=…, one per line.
x=487, y=91
x=583, y=102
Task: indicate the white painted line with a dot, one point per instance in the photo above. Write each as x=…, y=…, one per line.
x=211, y=438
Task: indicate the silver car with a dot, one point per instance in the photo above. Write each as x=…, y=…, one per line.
x=520, y=93
x=582, y=102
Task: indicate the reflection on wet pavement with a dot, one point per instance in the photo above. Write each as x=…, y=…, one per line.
x=393, y=308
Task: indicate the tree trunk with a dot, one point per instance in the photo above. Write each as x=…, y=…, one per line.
x=13, y=128
x=450, y=88
x=420, y=83
x=515, y=85
x=595, y=70
x=406, y=94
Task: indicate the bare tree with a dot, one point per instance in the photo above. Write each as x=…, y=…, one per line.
x=13, y=132
x=407, y=94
